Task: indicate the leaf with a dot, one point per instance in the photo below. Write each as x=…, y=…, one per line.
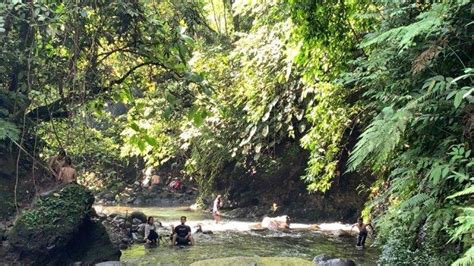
x=467, y=191
x=151, y=141
x=135, y=127
x=265, y=131
x=458, y=99
x=258, y=147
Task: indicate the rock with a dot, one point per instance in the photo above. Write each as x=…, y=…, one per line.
x=99, y=247
x=53, y=219
x=108, y=196
x=141, y=229
x=102, y=216
x=126, y=240
x=139, y=216
x=136, y=221
x=134, y=236
x=138, y=201
x=123, y=246
x=341, y=233
x=113, y=215
x=55, y=229
x=276, y=223
x=110, y=263
x=130, y=200
x=326, y=260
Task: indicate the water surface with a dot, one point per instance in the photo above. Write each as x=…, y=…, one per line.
x=234, y=238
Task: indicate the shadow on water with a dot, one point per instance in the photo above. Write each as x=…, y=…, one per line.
x=233, y=238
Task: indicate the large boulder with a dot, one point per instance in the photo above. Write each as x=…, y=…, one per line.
x=276, y=223
x=90, y=245
x=326, y=260
x=45, y=233
x=138, y=215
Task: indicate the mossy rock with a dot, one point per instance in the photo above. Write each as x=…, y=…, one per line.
x=244, y=261
x=138, y=215
x=89, y=246
x=52, y=222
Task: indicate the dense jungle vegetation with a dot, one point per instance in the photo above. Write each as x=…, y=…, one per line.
x=207, y=84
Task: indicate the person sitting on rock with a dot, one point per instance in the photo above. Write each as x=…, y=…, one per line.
x=182, y=234
x=362, y=231
x=150, y=231
x=56, y=162
x=67, y=174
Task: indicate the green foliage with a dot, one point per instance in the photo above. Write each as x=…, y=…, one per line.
x=8, y=130
x=418, y=87
x=218, y=85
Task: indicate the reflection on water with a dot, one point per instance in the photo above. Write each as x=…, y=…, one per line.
x=233, y=238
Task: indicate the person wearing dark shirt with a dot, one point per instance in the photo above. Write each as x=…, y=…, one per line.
x=182, y=234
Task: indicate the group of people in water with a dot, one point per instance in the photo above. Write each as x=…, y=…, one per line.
x=180, y=235
x=62, y=169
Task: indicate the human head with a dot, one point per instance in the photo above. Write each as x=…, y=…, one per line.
x=219, y=196
x=183, y=219
x=62, y=153
x=67, y=161
x=150, y=220
x=360, y=220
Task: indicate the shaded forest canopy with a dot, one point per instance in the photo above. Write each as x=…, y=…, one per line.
x=381, y=88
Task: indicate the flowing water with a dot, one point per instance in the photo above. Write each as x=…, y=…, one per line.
x=233, y=238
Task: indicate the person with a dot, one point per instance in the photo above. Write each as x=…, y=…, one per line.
x=67, y=174
x=55, y=163
x=215, y=208
x=206, y=232
x=362, y=232
x=151, y=236
x=176, y=184
x=182, y=234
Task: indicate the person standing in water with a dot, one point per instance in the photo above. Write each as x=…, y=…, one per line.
x=362, y=232
x=150, y=231
x=182, y=234
x=215, y=208
x=67, y=174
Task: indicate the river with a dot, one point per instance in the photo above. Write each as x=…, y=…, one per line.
x=234, y=238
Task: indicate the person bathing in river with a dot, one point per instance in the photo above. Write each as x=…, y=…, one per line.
x=67, y=174
x=362, y=232
x=215, y=208
x=182, y=234
x=151, y=236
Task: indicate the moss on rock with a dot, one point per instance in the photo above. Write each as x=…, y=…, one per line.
x=273, y=261
x=52, y=222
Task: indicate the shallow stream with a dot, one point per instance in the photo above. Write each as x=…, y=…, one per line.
x=234, y=238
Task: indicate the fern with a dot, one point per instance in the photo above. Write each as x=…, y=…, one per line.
x=467, y=259
x=429, y=21
x=467, y=191
x=416, y=200
x=381, y=137
x=8, y=130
